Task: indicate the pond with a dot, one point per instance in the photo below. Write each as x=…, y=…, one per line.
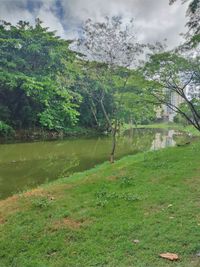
x=26, y=165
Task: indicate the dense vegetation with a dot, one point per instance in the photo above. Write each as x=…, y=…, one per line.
x=32, y=90
x=43, y=84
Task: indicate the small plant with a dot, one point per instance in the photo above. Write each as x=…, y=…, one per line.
x=6, y=130
x=102, y=193
x=103, y=197
x=126, y=181
x=41, y=202
x=129, y=197
x=101, y=202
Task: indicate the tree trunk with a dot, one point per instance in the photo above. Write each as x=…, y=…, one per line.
x=112, y=154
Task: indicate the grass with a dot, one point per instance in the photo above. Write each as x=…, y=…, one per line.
x=170, y=125
x=93, y=218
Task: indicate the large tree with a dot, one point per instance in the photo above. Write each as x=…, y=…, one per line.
x=33, y=62
x=111, y=50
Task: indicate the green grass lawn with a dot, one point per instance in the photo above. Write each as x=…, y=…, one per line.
x=93, y=218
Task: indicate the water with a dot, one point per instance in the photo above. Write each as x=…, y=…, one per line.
x=26, y=165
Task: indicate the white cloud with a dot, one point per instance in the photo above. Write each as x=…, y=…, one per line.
x=51, y=20
x=155, y=20
x=15, y=11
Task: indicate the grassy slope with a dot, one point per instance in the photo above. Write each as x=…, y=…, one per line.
x=93, y=218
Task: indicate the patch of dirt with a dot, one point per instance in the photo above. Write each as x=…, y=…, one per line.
x=8, y=203
x=8, y=200
x=71, y=223
x=35, y=192
x=39, y=193
x=117, y=176
x=7, y=207
x=68, y=223
x=113, y=178
x=2, y=220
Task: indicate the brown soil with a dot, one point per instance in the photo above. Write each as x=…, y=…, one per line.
x=67, y=222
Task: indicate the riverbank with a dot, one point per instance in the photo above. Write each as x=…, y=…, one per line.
x=124, y=214
x=37, y=134
x=189, y=129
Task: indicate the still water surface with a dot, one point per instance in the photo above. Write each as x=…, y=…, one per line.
x=26, y=165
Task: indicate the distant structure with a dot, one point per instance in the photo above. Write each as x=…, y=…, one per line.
x=166, y=113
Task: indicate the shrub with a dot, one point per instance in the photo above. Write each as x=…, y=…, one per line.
x=41, y=202
x=6, y=130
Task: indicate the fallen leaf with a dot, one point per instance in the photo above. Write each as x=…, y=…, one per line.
x=169, y=256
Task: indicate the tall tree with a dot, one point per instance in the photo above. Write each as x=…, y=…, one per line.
x=112, y=49
x=33, y=61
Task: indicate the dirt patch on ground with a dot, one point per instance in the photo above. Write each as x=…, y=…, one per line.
x=35, y=192
x=117, y=176
x=7, y=207
x=59, y=189
x=69, y=223
x=113, y=178
x=12, y=204
x=8, y=200
x=8, y=203
x=2, y=220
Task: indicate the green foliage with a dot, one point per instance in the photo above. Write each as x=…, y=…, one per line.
x=41, y=202
x=104, y=197
x=44, y=85
x=5, y=130
x=32, y=93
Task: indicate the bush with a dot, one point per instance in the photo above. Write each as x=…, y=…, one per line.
x=6, y=130
x=41, y=202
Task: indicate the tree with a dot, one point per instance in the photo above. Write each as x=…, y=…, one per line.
x=33, y=62
x=173, y=74
x=110, y=50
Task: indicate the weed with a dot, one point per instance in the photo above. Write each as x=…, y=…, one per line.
x=126, y=181
x=41, y=202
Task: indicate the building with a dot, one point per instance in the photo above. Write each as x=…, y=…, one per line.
x=166, y=113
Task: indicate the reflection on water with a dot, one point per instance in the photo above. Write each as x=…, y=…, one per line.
x=163, y=140
x=26, y=165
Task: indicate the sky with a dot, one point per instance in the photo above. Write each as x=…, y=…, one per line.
x=155, y=20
